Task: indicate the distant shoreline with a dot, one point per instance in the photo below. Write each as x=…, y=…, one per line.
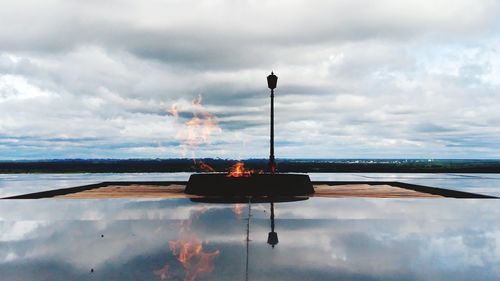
x=223, y=165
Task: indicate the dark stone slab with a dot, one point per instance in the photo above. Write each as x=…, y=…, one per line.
x=255, y=185
x=248, y=199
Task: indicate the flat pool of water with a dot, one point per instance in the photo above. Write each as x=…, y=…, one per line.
x=315, y=239
x=16, y=184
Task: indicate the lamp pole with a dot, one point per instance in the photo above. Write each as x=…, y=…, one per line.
x=271, y=83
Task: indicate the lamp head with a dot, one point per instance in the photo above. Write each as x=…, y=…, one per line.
x=272, y=238
x=272, y=80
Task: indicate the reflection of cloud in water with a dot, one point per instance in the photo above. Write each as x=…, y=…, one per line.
x=319, y=239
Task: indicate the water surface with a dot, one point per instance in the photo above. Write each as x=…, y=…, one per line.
x=318, y=239
x=16, y=184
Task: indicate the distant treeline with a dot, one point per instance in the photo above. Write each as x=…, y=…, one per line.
x=223, y=165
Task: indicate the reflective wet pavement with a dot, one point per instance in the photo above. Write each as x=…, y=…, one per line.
x=319, y=239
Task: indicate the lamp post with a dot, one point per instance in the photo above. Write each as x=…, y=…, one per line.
x=271, y=83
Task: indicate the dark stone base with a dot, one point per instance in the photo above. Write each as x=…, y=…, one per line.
x=249, y=199
x=255, y=185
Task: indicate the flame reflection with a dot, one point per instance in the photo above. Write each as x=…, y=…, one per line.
x=188, y=251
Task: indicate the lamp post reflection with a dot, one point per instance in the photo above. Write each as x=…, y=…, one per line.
x=272, y=237
x=248, y=237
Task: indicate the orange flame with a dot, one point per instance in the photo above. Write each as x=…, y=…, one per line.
x=193, y=136
x=199, y=129
x=238, y=170
x=204, y=167
x=201, y=166
x=209, y=127
x=238, y=209
x=163, y=272
x=273, y=168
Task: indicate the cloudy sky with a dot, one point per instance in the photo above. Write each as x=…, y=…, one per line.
x=357, y=79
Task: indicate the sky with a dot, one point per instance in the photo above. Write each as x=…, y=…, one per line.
x=174, y=79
